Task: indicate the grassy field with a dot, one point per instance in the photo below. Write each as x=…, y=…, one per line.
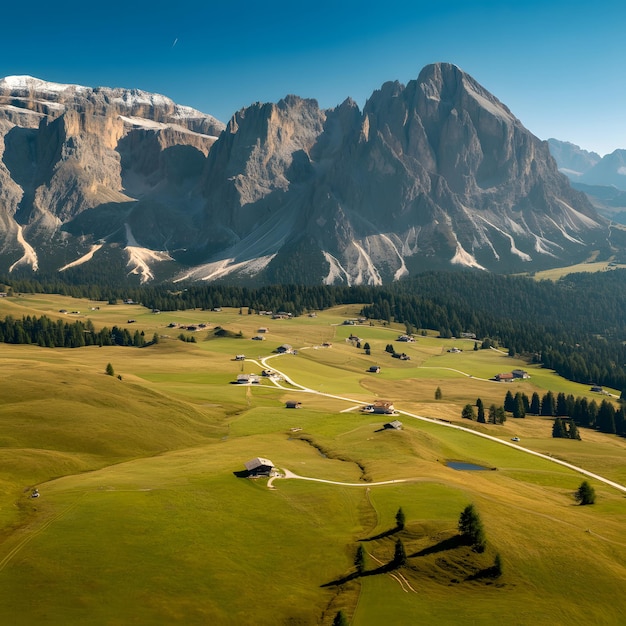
x=144, y=519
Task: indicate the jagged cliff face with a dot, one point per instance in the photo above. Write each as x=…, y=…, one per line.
x=82, y=168
x=437, y=173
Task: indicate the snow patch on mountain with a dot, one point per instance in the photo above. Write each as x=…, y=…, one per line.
x=514, y=249
x=402, y=270
x=219, y=269
x=336, y=271
x=140, y=259
x=463, y=257
x=364, y=268
x=83, y=259
x=29, y=257
x=31, y=83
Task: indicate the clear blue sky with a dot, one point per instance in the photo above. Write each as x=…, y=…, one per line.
x=559, y=66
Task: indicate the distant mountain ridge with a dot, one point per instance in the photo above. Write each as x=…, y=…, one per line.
x=434, y=174
x=602, y=179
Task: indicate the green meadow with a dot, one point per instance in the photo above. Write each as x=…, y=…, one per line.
x=145, y=517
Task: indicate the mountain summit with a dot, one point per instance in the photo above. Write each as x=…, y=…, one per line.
x=434, y=174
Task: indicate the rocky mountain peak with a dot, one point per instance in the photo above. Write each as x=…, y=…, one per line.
x=437, y=173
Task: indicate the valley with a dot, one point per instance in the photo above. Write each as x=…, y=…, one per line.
x=144, y=516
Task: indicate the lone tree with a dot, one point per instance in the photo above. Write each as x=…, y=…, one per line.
x=109, y=370
x=400, y=519
x=585, y=494
x=497, y=566
x=438, y=394
x=367, y=348
x=471, y=528
x=359, y=559
x=399, y=554
x=468, y=412
x=341, y=619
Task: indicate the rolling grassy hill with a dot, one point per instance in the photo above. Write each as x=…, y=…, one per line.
x=143, y=519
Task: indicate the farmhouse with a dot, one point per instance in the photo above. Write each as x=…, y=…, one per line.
x=395, y=425
x=247, y=379
x=382, y=407
x=405, y=338
x=520, y=374
x=293, y=404
x=284, y=349
x=504, y=377
x=259, y=467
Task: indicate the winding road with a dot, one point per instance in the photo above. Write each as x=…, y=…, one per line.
x=296, y=387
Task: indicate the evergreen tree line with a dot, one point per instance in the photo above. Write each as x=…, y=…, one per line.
x=603, y=417
x=575, y=326
x=47, y=333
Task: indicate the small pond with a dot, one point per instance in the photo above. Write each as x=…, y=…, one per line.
x=464, y=466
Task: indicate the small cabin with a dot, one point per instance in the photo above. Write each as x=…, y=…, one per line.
x=259, y=467
x=240, y=357
x=284, y=349
x=505, y=377
x=293, y=404
x=395, y=425
x=374, y=369
x=520, y=374
x=247, y=379
x=383, y=407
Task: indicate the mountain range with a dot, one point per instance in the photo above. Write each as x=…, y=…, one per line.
x=602, y=179
x=434, y=174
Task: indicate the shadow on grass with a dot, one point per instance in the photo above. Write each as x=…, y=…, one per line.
x=386, y=533
x=383, y=569
x=447, y=544
x=242, y=474
x=487, y=572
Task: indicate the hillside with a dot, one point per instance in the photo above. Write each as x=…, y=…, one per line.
x=163, y=527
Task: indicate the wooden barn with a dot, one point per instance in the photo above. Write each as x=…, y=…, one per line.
x=259, y=467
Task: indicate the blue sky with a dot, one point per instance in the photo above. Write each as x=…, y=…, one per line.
x=559, y=66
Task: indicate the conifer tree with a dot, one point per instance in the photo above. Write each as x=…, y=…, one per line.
x=471, y=528
x=341, y=619
x=468, y=412
x=109, y=370
x=399, y=554
x=535, y=404
x=585, y=494
x=518, y=406
x=400, y=519
x=509, y=402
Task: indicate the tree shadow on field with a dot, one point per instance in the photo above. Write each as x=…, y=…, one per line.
x=486, y=572
x=447, y=544
x=383, y=569
x=386, y=533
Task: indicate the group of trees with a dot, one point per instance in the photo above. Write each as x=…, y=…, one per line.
x=495, y=414
x=573, y=411
x=565, y=429
x=47, y=333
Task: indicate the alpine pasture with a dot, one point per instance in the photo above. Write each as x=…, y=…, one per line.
x=144, y=516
